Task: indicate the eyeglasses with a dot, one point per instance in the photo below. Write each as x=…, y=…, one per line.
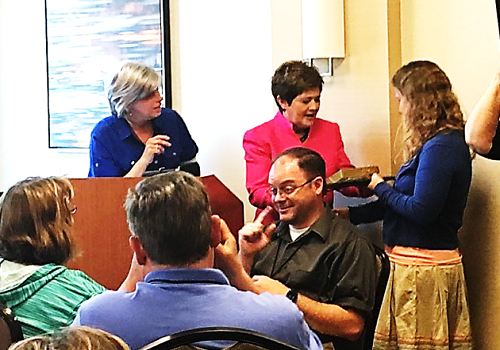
x=288, y=189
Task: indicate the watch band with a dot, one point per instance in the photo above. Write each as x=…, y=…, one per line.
x=292, y=295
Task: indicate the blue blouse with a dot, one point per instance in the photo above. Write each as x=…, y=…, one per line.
x=424, y=208
x=114, y=148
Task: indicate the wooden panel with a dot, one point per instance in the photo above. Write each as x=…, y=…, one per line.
x=101, y=227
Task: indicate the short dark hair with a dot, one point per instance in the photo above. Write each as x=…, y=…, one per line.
x=170, y=215
x=308, y=160
x=293, y=78
x=35, y=221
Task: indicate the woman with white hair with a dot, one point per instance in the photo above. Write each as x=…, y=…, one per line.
x=140, y=135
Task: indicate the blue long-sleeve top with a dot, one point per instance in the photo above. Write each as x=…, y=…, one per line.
x=425, y=206
x=114, y=148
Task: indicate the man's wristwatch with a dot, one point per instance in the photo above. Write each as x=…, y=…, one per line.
x=292, y=295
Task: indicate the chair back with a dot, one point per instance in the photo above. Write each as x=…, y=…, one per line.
x=383, y=270
x=10, y=328
x=245, y=339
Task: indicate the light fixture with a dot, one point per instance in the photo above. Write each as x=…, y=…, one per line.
x=323, y=33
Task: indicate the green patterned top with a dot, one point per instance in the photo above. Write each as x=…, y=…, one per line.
x=48, y=298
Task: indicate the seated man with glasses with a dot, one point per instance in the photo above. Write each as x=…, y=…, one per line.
x=318, y=260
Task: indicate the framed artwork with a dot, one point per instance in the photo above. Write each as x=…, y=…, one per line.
x=86, y=42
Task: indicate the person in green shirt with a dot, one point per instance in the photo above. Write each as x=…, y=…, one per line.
x=35, y=240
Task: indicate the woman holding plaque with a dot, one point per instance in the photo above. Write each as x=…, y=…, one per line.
x=296, y=88
x=425, y=305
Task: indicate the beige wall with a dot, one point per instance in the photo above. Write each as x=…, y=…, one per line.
x=356, y=97
x=225, y=52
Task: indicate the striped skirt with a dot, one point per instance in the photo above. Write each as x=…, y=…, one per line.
x=425, y=307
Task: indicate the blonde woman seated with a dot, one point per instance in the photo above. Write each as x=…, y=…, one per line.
x=73, y=338
x=35, y=239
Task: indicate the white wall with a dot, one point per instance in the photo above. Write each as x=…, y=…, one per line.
x=23, y=98
x=222, y=70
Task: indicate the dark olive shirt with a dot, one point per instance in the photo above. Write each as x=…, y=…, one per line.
x=330, y=263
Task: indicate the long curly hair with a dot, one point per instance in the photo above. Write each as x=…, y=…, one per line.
x=434, y=107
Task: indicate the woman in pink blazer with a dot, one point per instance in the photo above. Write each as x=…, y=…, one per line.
x=296, y=88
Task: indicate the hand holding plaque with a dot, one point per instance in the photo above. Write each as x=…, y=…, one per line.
x=353, y=177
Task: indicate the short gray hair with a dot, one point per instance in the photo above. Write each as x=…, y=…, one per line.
x=133, y=82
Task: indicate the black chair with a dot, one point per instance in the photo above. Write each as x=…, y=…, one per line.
x=383, y=270
x=10, y=328
x=241, y=339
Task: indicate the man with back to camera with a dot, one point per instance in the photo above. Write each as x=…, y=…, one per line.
x=316, y=259
x=172, y=285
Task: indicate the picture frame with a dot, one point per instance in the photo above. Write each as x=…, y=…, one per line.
x=86, y=42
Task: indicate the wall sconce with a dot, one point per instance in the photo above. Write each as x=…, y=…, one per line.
x=323, y=33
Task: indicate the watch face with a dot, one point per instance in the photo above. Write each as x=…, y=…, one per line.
x=292, y=295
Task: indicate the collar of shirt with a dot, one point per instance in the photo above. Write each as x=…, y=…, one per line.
x=285, y=123
x=296, y=232
x=124, y=130
x=321, y=227
x=13, y=274
x=184, y=275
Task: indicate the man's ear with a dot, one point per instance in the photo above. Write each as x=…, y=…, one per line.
x=138, y=249
x=318, y=184
x=216, y=235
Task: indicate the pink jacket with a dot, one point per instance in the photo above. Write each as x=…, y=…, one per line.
x=264, y=142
